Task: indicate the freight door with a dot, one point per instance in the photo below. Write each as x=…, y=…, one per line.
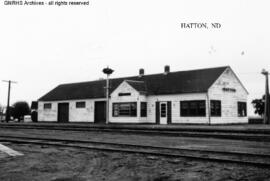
x=63, y=112
x=100, y=112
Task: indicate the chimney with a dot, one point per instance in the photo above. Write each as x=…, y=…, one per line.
x=166, y=69
x=141, y=72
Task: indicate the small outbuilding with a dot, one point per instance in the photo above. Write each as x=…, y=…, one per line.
x=203, y=96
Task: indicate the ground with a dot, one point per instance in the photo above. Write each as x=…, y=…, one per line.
x=47, y=163
x=155, y=140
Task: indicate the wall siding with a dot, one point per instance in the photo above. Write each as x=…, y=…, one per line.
x=134, y=97
x=75, y=114
x=47, y=114
x=175, y=99
x=229, y=100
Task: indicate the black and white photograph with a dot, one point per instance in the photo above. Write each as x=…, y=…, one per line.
x=125, y=90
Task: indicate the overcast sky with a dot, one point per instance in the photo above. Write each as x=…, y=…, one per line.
x=43, y=46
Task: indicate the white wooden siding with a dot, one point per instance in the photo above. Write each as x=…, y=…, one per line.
x=175, y=99
x=75, y=114
x=47, y=114
x=135, y=96
x=229, y=100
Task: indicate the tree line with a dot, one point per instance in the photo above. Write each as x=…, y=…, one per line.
x=18, y=110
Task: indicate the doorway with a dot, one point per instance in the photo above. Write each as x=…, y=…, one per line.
x=100, y=112
x=63, y=112
x=163, y=112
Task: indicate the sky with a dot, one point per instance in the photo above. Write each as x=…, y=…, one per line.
x=44, y=46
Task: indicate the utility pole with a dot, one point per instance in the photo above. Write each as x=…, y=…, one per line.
x=108, y=72
x=266, y=99
x=8, y=99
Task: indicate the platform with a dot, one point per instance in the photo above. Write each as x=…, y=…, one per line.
x=245, y=128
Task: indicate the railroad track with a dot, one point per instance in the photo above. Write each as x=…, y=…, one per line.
x=260, y=136
x=260, y=160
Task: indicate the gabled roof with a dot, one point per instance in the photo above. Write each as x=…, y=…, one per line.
x=192, y=81
x=140, y=86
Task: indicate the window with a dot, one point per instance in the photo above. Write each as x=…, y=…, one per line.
x=127, y=109
x=163, y=110
x=47, y=106
x=80, y=104
x=215, y=108
x=229, y=89
x=184, y=108
x=124, y=94
x=143, y=109
x=192, y=108
x=242, y=109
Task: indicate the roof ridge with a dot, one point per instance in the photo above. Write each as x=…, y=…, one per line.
x=139, y=81
x=162, y=73
x=126, y=78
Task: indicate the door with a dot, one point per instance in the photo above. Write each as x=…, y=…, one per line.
x=100, y=112
x=163, y=112
x=157, y=113
x=63, y=112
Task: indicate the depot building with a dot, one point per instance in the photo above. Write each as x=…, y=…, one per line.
x=203, y=96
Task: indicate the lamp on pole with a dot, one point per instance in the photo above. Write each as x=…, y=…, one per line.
x=108, y=71
x=266, y=99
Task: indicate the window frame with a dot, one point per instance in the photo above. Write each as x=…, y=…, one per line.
x=117, y=105
x=47, y=106
x=197, y=111
x=143, y=112
x=217, y=112
x=78, y=106
x=124, y=94
x=241, y=106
